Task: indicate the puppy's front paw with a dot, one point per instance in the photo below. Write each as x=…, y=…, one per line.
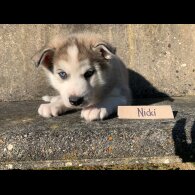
x=49, y=110
x=93, y=113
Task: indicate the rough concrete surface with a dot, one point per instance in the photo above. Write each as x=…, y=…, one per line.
x=29, y=141
x=158, y=55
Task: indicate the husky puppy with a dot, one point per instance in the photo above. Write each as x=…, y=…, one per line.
x=87, y=73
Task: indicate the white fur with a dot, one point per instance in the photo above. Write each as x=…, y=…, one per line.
x=46, y=98
x=55, y=108
x=75, y=85
x=73, y=54
x=50, y=98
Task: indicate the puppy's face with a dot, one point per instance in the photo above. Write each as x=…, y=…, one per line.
x=79, y=71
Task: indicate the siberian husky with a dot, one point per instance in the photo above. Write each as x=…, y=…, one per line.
x=87, y=74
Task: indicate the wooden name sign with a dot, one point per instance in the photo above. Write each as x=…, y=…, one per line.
x=145, y=112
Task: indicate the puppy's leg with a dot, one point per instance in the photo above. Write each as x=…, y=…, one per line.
x=102, y=110
x=48, y=98
x=55, y=108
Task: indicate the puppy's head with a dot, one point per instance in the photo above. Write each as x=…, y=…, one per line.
x=79, y=67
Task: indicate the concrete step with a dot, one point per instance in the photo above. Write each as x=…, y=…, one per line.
x=28, y=141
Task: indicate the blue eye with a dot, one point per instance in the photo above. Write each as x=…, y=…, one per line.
x=63, y=75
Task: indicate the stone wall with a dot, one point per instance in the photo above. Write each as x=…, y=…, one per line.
x=161, y=57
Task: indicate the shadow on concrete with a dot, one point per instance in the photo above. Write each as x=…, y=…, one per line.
x=183, y=149
x=144, y=93
x=70, y=112
x=175, y=113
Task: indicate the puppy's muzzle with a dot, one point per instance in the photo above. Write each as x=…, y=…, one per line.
x=76, y=101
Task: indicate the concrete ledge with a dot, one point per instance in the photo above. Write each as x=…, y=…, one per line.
x=87, y=162
x=29, y=141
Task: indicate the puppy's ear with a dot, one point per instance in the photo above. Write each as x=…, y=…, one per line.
x=44, y=57
x=105, y=49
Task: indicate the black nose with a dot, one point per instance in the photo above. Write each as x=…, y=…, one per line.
x=74, y=100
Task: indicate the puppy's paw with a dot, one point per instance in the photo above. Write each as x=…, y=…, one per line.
x=93, y=113
x=49, y=110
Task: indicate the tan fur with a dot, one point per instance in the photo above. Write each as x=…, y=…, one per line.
x=76, y=54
